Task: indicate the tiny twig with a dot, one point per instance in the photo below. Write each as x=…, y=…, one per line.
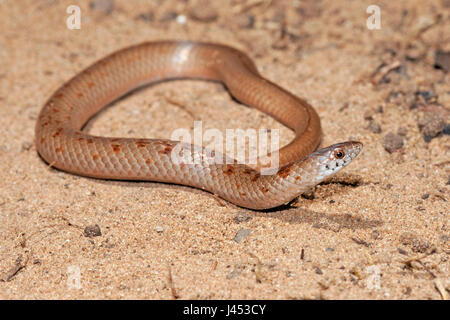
x=171, y=284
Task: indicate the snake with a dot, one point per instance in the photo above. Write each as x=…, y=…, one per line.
x=62, y=143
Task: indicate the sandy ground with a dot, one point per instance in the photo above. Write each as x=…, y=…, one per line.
x=378, y=230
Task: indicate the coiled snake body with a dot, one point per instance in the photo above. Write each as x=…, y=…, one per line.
x=60, y=141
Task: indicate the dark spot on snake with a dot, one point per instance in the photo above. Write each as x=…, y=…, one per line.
x=58, y=149
x=57, y=132
x=284, y=172
x=140, y=144
x=148, y=161
x=256, y=177
x=264, y=189
x=116, y=147
x=228, y=170
x=90, y=141
x=95, y=156
x=168, y=148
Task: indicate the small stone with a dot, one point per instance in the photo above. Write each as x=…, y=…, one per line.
x=368, y=114
x=402, y=131
x=309, y=195
x=425, y=196
x=375, y=235
x=92, y=231
x=244, y=21
x=105, y=6
x=181, y=19
x=148, y=16
x=416, y=51
x=233, y=274
x=242, y=217
x=242, y=234
x=203, y=12
x=317, y=270
x=329, y=249
x=392, y=142
x=403, y=252
x=159, y=229
x=374, y=127
x=446, y=129
x=426, y=96
x=442, y=60
x=431, y=125
x=416, y=244
x=168, y=16
x=26, y=146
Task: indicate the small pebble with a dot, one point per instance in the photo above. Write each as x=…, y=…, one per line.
x=105, y=6
x=242, y=234
x=392, y=142
x=374, y=127
x=244, y=21
x=317, y=270
x=233, y=274
x=148, y=16
x=309, y=195
x=181, y=19
x=375, y=235
x=417, y=244
x=431, y=125
x=442, y=60
x=368, y=115
x=446, y=129
x=168, y=16
x=402, y=131
x=416, y=51
x=159, y=229
x=242, y=217
x=329, y=249
x=427, y=95
x=26, y=146
x=92, y=231
x=203, y=12
x=425, y=196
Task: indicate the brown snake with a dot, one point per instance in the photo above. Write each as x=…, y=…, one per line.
x=61, y=143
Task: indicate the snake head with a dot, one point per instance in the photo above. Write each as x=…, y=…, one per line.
x=332, y=159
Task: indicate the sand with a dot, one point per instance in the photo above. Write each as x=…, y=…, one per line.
x=377, y=230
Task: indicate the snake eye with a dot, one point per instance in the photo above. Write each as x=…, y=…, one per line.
x=339, y=154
